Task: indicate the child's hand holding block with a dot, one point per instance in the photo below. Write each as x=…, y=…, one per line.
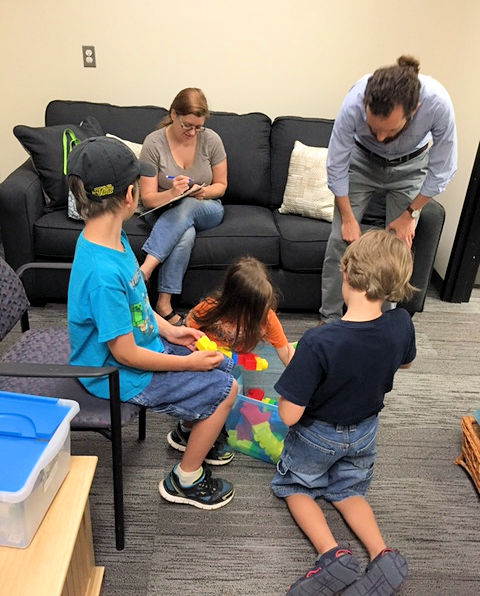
x=248, y=361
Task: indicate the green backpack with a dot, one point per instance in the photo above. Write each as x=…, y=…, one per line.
x=69, y=141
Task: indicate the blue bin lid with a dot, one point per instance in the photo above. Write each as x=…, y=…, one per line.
x=27, y=422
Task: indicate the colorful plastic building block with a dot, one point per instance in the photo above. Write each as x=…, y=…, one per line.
x=248, y=360
x=259, y=394
x=256, y=393
x=248, y=447
x=225, y=352
x=204, y=343
x=234, y=441
x=269, y=400
x=261, y=431
x=254, y=427
x=263, y=435
x=253, y=415
x=244, y=430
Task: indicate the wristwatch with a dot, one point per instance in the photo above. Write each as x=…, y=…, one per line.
x=415, y=213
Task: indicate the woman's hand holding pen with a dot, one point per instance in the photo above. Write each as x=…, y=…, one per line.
x=182, y=183
x=179, y=184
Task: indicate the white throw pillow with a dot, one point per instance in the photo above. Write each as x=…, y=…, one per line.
x=135, y=147
x=306, y=192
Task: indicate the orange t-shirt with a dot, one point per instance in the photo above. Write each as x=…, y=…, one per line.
x=223, y=332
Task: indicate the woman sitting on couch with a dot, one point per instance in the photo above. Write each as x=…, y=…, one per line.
x=184, y=153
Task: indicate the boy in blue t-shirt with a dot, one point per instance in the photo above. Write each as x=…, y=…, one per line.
x=331, y=393
x=110, y=322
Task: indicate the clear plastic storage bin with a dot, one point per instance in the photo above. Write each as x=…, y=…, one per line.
x=34, y=460
x=254, y=428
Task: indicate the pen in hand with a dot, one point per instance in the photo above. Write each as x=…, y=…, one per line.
x=173, y=178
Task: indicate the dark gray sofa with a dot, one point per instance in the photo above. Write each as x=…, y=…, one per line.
x=258, y=153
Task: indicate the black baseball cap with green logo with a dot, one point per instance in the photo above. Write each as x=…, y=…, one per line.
x=106, y=167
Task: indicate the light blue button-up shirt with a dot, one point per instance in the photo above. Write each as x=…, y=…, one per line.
x=433, y=121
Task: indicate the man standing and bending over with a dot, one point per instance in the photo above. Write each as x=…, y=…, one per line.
x=394, y=134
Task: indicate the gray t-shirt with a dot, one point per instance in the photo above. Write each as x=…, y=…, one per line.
x=208, y=153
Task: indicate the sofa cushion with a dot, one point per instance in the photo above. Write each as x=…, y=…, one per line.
x=45, y=146
x=307, y=193
x=298, y=290
x=246, y=138
x=245, y=230
x=314, y=132
x=56, y=235
x=303, y=242
x=133, y=122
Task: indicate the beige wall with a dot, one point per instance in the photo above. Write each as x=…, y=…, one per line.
x=280, y=57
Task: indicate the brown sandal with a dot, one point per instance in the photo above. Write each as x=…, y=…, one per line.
x=172, y=314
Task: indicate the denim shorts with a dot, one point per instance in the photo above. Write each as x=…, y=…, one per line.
x=324, y=460
x=188, y=395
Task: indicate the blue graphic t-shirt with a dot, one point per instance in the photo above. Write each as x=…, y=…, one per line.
x=107, y=298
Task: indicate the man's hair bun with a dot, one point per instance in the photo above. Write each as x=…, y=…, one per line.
x=409, y=62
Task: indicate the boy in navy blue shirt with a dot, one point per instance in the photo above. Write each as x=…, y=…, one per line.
x=331, y=393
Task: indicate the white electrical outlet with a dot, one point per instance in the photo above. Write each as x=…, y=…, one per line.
x=88, y=53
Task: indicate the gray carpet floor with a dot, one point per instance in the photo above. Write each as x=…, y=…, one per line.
x=425, y=505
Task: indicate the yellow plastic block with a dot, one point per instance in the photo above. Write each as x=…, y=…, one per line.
x=204, y=343
x=262, y=364
x=267, y=440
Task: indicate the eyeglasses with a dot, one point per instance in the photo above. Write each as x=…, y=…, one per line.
x=189, y=127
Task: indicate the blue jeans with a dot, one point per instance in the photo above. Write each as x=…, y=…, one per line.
x=327, y=460
x=173, y=236
x=401, y=184
x=188, y=395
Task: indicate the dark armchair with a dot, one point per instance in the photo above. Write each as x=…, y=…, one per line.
x=37, y=364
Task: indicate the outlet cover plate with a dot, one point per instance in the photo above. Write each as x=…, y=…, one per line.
x=89, y=60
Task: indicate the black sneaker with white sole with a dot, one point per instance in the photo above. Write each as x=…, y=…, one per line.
x=206, y=493
x=219, y=455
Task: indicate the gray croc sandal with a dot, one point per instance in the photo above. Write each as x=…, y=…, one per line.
x=383, y=576
x=332, y=572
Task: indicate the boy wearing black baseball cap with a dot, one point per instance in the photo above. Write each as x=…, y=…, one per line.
x=111, y=322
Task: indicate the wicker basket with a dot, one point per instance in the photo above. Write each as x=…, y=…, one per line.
x=470, y=456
